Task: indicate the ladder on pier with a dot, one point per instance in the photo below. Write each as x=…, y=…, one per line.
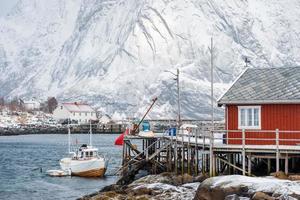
x=143, y=158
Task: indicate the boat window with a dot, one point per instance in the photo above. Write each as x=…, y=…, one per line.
x=91, y=154
x=86, y=154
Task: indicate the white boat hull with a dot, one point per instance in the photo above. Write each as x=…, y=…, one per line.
x=58, y=173
x=94, y=167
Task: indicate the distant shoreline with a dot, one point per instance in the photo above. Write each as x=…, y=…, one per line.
x=47, y=130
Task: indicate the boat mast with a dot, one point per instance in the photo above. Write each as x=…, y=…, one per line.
x=69, y=137
x=90, y=132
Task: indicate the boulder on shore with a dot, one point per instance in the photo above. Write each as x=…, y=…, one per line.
x=237, y=187
x=279, y=175
x=162, y=186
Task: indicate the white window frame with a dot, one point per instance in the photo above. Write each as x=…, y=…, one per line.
x=246, y=117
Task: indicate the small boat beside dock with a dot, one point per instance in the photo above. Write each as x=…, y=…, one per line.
x=85, y=162
x=58, y=173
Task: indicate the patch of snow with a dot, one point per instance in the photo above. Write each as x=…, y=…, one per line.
x=113, y=53
x=255, y=184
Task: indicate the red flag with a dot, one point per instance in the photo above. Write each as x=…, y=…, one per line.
x=120, y=139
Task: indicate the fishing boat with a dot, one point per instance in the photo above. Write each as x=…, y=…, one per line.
x=86, y=161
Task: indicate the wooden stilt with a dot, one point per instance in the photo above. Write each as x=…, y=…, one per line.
x=189, y=154
x=249, y=164
x=230, y=159
x=244, y=153
x=196, y=152
x=203, y=165
x=234, y=162
x=277, y=151
x=286, y=170
x=293, y=163
x=182, y=156
x=176, y=152
x=213, y=164
x=211, y=154
x=269, y=166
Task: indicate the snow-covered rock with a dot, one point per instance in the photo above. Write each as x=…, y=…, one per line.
x=161, y=186
x=114, y=53
x=219, y=187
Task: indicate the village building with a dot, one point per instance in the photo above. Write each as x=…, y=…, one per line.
x=261, y=101
x=30, y=105
x=79, y=112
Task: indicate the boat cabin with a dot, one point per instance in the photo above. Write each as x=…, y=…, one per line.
x=86, y=152
x=263, y=104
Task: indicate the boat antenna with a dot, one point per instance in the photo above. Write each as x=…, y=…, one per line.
x=90, y=132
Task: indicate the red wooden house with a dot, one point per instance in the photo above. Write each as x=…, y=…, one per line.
x=260, y=101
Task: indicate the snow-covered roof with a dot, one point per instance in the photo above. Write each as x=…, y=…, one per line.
x=30, y=102
x=78, y=107
x=265, y=85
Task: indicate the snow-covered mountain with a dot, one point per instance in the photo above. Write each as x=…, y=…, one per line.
x=114, y=53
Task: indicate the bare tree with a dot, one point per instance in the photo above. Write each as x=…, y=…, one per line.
x=14, y=105
x=51, y=104
x=2, y=101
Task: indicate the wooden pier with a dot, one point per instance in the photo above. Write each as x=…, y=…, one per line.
x=195, y=152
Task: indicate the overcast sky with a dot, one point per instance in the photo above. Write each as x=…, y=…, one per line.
x=6, y=6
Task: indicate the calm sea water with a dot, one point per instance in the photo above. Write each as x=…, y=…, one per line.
x=23, y=157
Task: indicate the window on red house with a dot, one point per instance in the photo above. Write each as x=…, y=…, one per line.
x=249, y=117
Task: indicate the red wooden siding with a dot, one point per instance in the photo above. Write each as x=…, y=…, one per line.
x=273, y=116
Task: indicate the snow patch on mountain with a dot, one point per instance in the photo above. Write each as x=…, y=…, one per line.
x=114, y=53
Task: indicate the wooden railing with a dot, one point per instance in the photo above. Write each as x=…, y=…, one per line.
x=258, y=137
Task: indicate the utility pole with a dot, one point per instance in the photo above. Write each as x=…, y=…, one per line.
x=212, y=81
x=178, y=98
x=212, y=158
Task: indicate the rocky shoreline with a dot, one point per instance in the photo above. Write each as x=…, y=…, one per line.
x=231, y=187
x=162, y=186
x=34, y=130
x=50, y=130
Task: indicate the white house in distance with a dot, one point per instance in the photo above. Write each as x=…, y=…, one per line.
x=30, y=104
x=80, y=112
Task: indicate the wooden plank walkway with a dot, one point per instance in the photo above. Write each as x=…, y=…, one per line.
x=199, y=152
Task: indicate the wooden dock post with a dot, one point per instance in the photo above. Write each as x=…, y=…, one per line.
x=176, y=152
x=230, y=160
x=249, y=164
x=211, y=154
x=182, y=156
x=234, y=162
x=188, y=156
x=293, y=162
x=243, y=153
x=277, y=151
x=286, y=170
x=123, y=154
x=196, y=152
x=269, y=166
